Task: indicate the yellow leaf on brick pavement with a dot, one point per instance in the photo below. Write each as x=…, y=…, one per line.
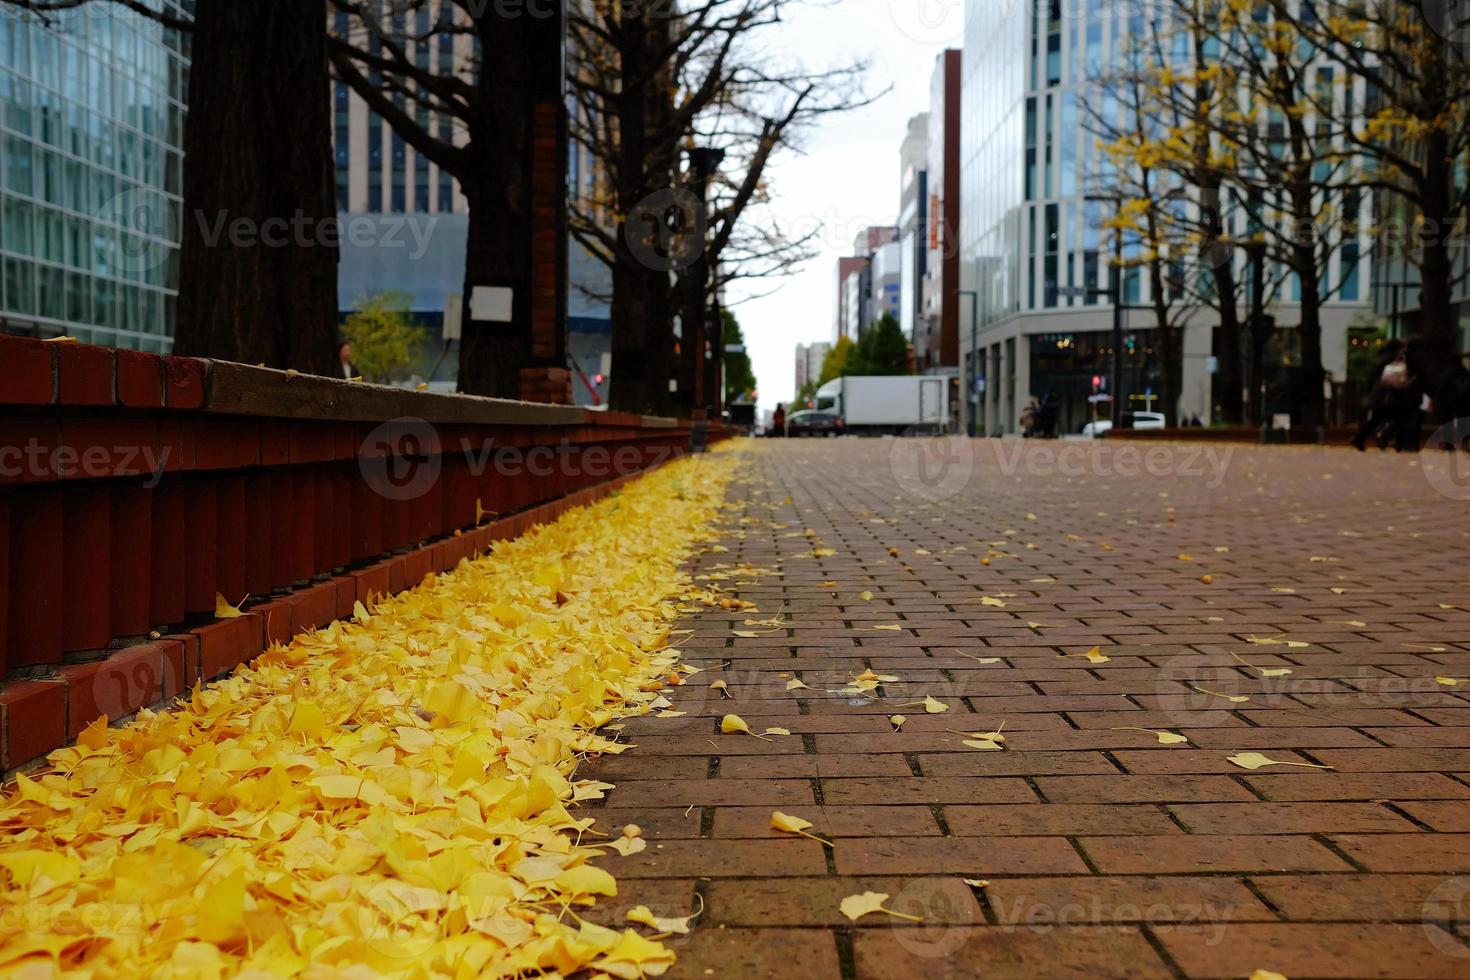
x=857, y=906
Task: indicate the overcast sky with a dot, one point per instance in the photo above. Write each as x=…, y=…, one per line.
x=848, y=176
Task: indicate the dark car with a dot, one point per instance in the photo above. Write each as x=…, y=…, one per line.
x=813, y=422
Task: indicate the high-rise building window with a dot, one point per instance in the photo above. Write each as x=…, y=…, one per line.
x=92, y=112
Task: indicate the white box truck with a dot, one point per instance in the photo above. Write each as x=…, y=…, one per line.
x=897, y=404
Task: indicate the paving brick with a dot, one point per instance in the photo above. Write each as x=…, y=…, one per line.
x=998, y=953
x=1100, y=900
x=720, y=859
x=925, y=790
x=1287, y=818
x=711, y=792
x=816, y=901
x=1141, y=789
x=1400, y=852
x=1067, y=819
x=831, y=821
x=1445, y=816
x=1391, y=951
x=977, y=856
x=756, y=953
x=1359, y=786
x=1384, y=897
x=1235, y=853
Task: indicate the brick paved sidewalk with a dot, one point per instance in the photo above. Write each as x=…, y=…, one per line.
x=1107, y=853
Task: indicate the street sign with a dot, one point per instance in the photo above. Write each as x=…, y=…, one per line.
x=734, y=348
x=1071, y=290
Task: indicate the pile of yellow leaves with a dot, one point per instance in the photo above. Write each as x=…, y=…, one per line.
x=385, y=796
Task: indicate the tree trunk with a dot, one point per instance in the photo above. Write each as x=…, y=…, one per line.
x=1309, y=328
x=258, y=262
x=492, y=354
x=642, y=301
x=1260, y=335
x=515, y=187
x=1436, y=269
x=1219, y=258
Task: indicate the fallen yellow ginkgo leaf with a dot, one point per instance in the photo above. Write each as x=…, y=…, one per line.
x=796, y=684
x=643, y=915
x=857, y=906
x=1255, y=760
x=896, y=721
x=734, y=723
x=223, y=609
x=1094, y=656
x=1265, y=671
x=1165, y=738
x=1233, y=698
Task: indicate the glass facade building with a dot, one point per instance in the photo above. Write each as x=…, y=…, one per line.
x=91, y=173
x=1034, y=247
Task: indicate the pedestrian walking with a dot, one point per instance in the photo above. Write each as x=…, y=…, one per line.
x=1028, y=418
x=778, y=421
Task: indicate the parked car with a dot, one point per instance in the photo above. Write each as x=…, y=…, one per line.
x=813, y=422
x=1141, y=420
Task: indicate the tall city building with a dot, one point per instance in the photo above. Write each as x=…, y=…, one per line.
x=847, y=307
x=809, y=359
x=91, y=173
x=885, y=283
x=939, y=320
x=1034, y=247
x=913, y=223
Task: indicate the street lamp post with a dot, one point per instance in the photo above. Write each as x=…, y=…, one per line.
x=972, y=396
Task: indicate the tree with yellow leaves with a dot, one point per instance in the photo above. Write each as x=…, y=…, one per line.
x=1411, y=131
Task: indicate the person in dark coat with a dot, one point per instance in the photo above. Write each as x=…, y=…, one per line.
x=1046, y=415
x=1406, y=405
x=778, y=421
x=1377, y=413
x=1452, y=398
